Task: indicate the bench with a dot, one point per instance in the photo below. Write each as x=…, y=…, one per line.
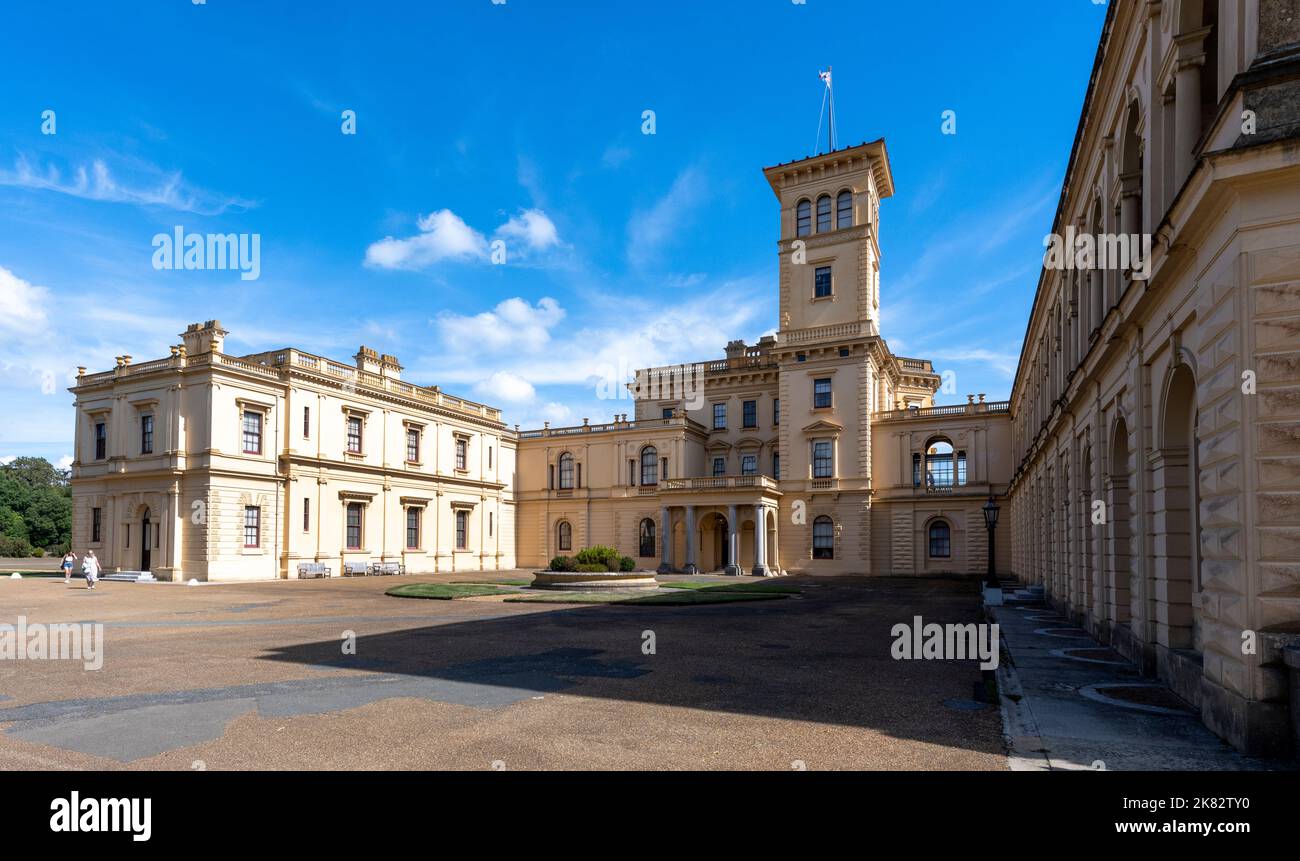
x=312, y=570
x=388, y=568
x=355, y=569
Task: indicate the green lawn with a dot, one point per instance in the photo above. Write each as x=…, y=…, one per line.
x=748, y=587
x=680, y=598
x=445, y=591
x=527, y=582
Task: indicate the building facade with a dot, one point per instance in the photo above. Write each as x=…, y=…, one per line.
x=1156, y=490
x=816, y=450
x=213, y=467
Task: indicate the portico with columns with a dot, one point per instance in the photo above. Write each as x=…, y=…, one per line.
x=727, y=525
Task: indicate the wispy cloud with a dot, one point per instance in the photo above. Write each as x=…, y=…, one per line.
x=146, y=186
x=651, y=229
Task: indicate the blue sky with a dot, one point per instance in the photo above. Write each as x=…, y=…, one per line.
x=519, y=121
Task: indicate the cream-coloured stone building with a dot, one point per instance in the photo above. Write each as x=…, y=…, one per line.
x=1157, y=421
x=1148, y=462
x=215, y=467
x=816, y=450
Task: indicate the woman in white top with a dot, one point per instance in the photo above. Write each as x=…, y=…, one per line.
x=90, y=567
x=69, y=559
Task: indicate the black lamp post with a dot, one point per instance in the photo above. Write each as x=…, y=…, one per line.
x=991, y=510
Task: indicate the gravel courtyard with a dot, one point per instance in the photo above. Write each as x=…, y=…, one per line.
x=256, y=676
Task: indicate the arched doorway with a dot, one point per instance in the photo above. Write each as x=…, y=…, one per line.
x=1177, y=532
x=146, y=540
x=1117, y=525
x=715, y=542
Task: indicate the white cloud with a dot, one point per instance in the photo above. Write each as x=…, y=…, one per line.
x=615, y=155
x=1003, y=363
x=505, y=387
x=22, y=304
x=7, y=459
x=443, y=236
x=152, y=187
x=514, y=325
x=532, y=228
x=649, y=230
x=64, y=462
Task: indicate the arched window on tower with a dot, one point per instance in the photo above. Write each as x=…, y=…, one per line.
x=803, y=218
x=566, y=471
x=844, y=210
x=564, y=535
x=824, y=214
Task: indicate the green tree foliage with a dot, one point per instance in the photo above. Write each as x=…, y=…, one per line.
x=35, y=507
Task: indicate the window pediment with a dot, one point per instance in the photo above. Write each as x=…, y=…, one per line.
x=822, y=426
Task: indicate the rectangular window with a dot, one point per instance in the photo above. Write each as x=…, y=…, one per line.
x=306, y=514
x=252, y=526
x=719, y=466
x=252, y=432
x=823, y=459
x=749, y=464
x=776, y=411
x=489, y=524
x=412, y=528
x=101, y=441
x=749, y=410
x=489, y=457
x=822, y=393
x=668, y=412
x=719, y=416
x=412, y=445
x=961, y=467
x=354, y=434
x=462, y=454
x=306, y=422
x=96, y=524
x=146, y=434
x=822, y=282
x=663, y=467
x=462, y=530
x=354, y=526
x=776, y=465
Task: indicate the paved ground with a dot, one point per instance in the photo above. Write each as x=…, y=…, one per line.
x=1062, y=713
x=229, y=676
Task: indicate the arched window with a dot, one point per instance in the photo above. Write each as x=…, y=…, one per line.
x=564, y=536
x=824, y=214
x=823, y=538
x=803, y=218
x=939, y=474
x=647, y=538
x=566, y=471
x=844, y=210
x=940, y=540
x=649, y=465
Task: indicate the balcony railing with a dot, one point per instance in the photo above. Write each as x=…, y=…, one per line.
x=971, y=409
x=719, y=482
x=607, y=427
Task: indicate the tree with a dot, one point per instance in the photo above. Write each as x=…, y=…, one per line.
x=35, y=506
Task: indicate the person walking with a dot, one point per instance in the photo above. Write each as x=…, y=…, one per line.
x=90, y=568
x=69, y=559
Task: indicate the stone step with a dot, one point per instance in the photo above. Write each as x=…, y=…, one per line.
x=130, y=577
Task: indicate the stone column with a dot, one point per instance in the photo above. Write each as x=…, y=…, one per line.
x=666, y=538
x=690, y=541
x=733, y=543
x=1187, y=113
x=760, y=540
